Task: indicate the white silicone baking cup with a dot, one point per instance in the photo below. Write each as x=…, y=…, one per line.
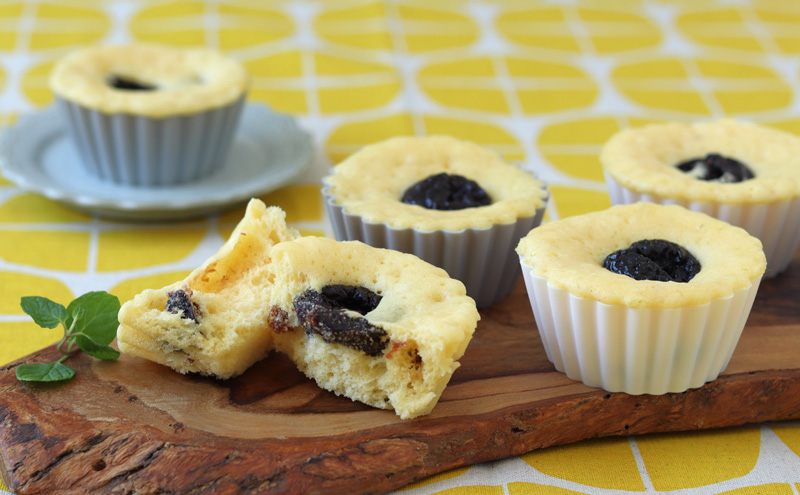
x=637, y=351
x=135, y=150
x=776, y=225
x=483, y=259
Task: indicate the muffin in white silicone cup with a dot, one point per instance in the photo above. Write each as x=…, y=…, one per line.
x=745, y=174
x=150, y=115
x=476, y=207
x=671, y=328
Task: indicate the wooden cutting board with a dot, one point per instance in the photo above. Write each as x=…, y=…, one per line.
x=132, y=426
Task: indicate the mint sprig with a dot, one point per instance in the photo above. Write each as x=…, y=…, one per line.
x=90, y=322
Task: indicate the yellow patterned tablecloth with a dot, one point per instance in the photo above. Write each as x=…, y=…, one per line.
x=543, y=82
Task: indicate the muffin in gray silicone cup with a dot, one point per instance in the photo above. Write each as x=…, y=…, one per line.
x=644, y=323
x=474, y=245
x=147, y=115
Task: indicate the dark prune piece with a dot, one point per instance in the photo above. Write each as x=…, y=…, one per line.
x=279, y=320
x=180, y=302
x=324, y=314
x=446, y=192
x=715, y=167
x=654, y=259
x=358, y=299
x=128, y=84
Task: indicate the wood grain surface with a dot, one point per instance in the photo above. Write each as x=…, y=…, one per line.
x=132, y=426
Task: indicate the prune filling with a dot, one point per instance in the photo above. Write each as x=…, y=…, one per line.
x=654, y=259
x=718, y=168
x=128, y=84
x=446, y=192
x=179, y=301
x=324, y=314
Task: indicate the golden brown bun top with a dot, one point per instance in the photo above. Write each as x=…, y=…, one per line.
x=188, y=80
x=569, y=253
x=371, y=182
x=644, y=159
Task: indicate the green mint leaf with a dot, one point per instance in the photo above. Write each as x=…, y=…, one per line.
x=90, y=321
x=95, y=314
x=96, y=349
x=79, y=312
x=45, y=313
x=49, y=372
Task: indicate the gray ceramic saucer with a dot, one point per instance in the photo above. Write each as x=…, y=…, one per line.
x=269, y=151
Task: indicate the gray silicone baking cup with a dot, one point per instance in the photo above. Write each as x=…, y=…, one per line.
x=483, y=259
x=637, y=350
x=135, y=150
